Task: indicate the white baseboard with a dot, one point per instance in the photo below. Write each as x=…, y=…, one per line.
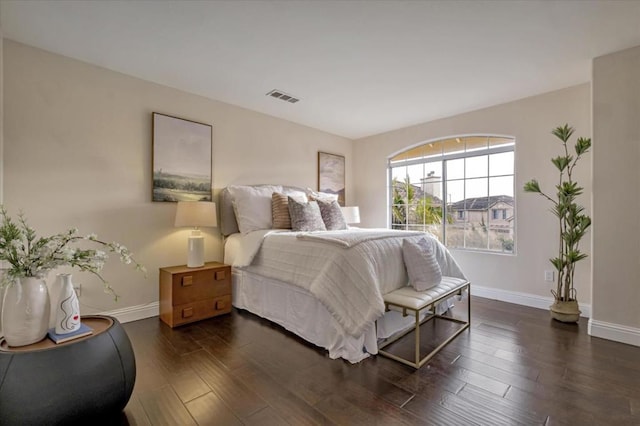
x=135, y=313
x=615, y=332
x=518, y=298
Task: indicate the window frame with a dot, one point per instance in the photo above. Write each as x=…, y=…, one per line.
x=443, y=160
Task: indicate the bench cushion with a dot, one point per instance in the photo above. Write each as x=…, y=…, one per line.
x=407, y=297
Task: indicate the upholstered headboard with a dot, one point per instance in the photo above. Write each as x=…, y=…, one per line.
x=228, y=223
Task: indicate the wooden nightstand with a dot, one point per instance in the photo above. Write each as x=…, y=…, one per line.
x=193, y=294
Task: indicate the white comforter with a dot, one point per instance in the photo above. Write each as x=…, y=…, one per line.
x=348, y=271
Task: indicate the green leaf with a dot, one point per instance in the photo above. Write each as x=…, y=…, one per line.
x=574, y=256
x=583, y=145
x=584, y=222
x=569, y=189
x=563, y=132
x=561, y=162
x=557, y=262
x=532, y=186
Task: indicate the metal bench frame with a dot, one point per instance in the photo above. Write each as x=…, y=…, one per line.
x=431, y=304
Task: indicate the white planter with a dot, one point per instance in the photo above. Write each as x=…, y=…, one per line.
x=25, y=311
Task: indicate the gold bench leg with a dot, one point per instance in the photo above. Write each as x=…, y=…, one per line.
x=417, y=338
x=420, y=362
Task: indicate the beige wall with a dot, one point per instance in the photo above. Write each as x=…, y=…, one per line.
x=1, y=122
x=1, y=159
x=78, y=153
x=616, y=200
x=530, y=121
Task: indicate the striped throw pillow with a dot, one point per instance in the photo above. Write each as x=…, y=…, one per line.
x=280, y=211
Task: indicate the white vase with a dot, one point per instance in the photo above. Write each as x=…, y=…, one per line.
x=25, y=311
x=67, y=307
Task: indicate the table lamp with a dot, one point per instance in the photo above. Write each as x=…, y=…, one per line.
x=196, y=214
x=351, y=214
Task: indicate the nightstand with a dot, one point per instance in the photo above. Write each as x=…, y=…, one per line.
x=193, y=294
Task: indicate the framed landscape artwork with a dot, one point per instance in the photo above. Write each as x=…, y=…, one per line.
x=181, y=159
x=331, y=175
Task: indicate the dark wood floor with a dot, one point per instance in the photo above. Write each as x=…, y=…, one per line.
x=514, y=366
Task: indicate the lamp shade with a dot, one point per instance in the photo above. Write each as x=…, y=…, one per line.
x=196, y=214
x=351, y=214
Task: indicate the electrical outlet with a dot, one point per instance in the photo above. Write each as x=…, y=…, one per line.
x=78, y=289
x=548, y=276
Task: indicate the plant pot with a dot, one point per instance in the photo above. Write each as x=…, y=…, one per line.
x=25, y=311
x=565, y=311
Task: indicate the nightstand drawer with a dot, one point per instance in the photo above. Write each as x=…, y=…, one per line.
x=196, y=311
x=192, y=294
x=199, y=285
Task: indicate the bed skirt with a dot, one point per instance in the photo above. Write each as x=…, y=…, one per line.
x=299, y=312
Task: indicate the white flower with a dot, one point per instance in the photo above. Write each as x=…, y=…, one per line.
x=68, y=252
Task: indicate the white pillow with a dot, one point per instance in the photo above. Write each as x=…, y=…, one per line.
x=325, y=196
x=296, y=194
x=422, y=266
x=252, y=205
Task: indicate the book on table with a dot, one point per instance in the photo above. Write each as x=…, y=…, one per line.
x=84, y=330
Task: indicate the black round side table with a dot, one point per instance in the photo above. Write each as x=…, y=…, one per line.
x=87, y=378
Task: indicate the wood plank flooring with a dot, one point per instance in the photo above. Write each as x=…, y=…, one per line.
x=515, y=366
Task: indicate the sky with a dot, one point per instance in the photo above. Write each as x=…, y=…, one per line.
x=181, y=147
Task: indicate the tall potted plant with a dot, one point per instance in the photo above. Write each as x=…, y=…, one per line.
x=573, y=224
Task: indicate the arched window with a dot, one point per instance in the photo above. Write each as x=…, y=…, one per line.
x=461, y=189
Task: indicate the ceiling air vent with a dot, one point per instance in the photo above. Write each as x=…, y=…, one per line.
x=279, y=94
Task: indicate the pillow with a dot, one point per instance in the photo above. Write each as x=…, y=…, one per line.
x=422, y=266
x=326, y=196
x=280, y=207
x=252, y=206
x=298, y=194
x=305, y=216
x=332, y=215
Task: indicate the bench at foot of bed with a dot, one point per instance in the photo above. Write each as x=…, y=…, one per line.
x=408, y=301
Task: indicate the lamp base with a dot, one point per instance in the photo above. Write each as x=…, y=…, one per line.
x=195, y=251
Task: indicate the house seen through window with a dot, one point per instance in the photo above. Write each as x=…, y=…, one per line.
x=461, y=189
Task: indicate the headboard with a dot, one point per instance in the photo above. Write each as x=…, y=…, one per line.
x=228, y=223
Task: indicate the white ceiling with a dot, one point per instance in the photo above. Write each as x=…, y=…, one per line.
x=359, y=67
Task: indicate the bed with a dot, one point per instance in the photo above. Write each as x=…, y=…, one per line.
x=324, y=286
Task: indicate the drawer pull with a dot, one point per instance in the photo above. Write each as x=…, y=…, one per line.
x=221, y=304
x=187, y=312
x=220, y=275
x=187, y=281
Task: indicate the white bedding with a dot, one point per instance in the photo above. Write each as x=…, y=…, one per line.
x=349, y=281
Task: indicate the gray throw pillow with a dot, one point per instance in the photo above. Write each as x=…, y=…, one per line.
x=305, y=216
x=422, y=266
x=331, y=214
